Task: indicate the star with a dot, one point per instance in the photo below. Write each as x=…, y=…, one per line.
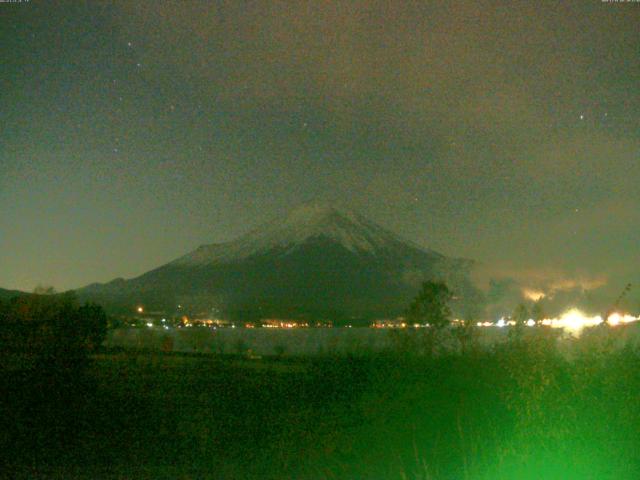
x=581, y=117
x=129, y=44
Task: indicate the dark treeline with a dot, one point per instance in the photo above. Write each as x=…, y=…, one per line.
x=45, y=345
x=51, y=327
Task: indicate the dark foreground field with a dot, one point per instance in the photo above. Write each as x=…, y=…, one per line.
x=518, y=411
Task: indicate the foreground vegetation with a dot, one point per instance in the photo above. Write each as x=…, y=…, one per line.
x=516, y=411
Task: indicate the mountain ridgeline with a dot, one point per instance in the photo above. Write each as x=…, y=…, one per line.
x=317, y=264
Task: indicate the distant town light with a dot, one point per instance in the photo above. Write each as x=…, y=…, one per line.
x=617, y=319
x=140, y=309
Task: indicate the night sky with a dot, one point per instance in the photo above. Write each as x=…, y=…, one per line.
x=506, y=132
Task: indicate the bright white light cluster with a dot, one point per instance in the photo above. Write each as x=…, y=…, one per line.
x=573, y=321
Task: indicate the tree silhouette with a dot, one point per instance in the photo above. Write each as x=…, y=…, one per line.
x=92, y=325
x=431, y=305
x=52, y=326
x=537, y=312
x=44, y=290
x=520, y=316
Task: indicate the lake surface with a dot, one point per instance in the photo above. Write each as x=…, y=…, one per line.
x=316, y=341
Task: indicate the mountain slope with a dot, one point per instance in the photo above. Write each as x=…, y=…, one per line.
x=315, y=263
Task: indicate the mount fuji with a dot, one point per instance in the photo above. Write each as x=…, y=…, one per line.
x=316, y=263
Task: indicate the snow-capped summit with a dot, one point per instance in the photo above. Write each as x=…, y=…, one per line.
x=308, y=222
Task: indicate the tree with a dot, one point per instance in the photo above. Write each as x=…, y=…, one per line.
x=44, y=290
x=520, y=316
x=92, y=325
x=431, y=305
x=52, y=326
x=466, y=331
x=537, y=312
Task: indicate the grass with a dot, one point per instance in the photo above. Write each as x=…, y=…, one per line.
x=516, y=411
